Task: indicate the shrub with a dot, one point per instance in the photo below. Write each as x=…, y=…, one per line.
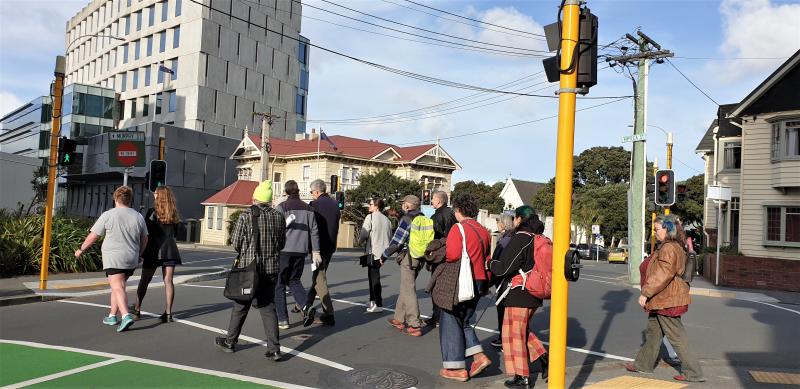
x=21, y=245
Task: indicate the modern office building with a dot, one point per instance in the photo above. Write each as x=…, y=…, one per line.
x=25, y=131
x=181, y=63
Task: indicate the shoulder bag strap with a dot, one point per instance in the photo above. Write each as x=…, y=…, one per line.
x=255, y=213
x=483, y=243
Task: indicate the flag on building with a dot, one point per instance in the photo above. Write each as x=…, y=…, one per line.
x=325, y=138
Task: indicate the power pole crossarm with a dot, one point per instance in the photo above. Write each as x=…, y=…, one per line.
x=266, y=122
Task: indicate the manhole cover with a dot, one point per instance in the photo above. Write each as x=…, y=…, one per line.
x=380, y=378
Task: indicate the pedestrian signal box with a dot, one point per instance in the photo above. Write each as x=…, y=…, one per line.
x=158, y=174
x=426, y=197
x=665, y=188
x=340, y=199
x=66, y=151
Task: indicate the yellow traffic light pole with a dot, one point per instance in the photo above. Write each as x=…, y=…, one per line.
x=55, y=129
x=653, y=214
x=563, y=195
x=669, y=162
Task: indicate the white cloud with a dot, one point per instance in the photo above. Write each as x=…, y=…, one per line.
x=756, y=28
x=8, y=102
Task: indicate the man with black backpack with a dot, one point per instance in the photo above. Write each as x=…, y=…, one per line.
x=258, y=236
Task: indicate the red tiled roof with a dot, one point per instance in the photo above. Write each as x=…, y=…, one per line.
x=345, y=145
x=238, y=193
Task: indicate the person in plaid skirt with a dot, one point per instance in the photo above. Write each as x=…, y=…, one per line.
x=520, y=344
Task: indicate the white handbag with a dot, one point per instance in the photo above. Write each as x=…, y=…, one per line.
x=466, y=287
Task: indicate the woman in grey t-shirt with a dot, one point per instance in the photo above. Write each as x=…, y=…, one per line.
x=125, y=239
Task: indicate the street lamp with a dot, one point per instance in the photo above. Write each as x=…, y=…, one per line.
x=92, y=35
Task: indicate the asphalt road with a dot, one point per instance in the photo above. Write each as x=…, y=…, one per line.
x=605, y=325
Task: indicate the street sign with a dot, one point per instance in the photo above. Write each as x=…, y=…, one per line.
x=595, y=229
x=126, y=149
x=719, y=193
x=634, y=138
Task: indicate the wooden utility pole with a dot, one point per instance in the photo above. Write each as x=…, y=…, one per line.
x=55, y=128
x=266, y=122
x=648, y=49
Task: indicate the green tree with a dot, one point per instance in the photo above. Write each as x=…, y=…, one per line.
x=602, y=165
x=544, y=199
x=488, y=196
x=383, y=184
x=690, y=210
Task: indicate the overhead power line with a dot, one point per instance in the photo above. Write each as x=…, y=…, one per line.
x=509, y=32
x=390, y=69
x=423, y=29
x=474, y=20
x=691, y=82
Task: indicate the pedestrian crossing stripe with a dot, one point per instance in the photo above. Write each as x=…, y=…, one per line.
x=630, y=382
x=775, y=377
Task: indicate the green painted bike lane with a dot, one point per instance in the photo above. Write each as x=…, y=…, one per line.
x=43, y=366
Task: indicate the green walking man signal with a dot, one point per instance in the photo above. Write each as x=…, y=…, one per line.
x=66, y=151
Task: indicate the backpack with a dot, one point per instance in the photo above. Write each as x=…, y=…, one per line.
x=539, y=280
x=420, y=235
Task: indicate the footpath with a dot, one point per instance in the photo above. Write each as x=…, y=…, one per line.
x=25, y=289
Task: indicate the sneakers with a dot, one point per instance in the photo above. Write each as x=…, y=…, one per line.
x=110, y=320
x=396, y=324
x=374, y=308
x=629, y=367
x=460, y=375
x=413, y=331
x=518, y=382
x=224, y=345
x=126, y=322
x=284, y=324
x=274, y=356
x=308, y=316
x=479, y=364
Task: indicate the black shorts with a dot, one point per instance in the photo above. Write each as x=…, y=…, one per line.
x=112, y=271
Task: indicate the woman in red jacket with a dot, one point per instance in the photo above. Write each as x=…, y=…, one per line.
x=456, y=335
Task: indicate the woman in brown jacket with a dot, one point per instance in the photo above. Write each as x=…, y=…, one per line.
x=665, y=295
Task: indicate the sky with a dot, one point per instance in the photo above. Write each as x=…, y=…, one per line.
x=713, y=41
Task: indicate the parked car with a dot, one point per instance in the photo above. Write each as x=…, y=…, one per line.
x=587, y=253
x=618, y=254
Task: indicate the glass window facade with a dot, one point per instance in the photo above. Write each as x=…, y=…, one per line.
x=147, y=75
x=135, y=78
x=151, y=16
x=173, y=101
x=174, y=75
x=149, y=41
x=164, y=11
x=176, y=37
x=139, y=21
x=137, y=48
x=124, y=86
x=299, y=106
x=177, y=7
x=162, y=44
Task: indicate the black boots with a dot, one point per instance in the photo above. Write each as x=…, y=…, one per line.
x=545, y=362
x=518, y=382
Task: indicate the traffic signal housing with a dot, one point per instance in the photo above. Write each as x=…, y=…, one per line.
x=157, y=175
x=66, y=151
x=585, y=61
x=680, y=192
x=340, y=200
x=426, y=197
x=334, y=184
x=665, y=188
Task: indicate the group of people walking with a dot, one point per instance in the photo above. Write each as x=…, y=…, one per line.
x=280, y=239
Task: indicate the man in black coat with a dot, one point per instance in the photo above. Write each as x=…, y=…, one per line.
x=326, y=211
x=443, y=219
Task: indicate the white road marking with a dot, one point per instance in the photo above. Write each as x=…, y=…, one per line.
x=602, y=282
x=775, y=306
x=62, y=374
x=578, y=350
x=250, y=339
x=119, y=358
x=208, y=260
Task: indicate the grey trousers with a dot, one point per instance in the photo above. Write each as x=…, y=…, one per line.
x=407, y=309
x=319, y=286
x=265, y=303
x=657, y=327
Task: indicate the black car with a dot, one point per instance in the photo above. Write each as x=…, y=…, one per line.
x=589, y=254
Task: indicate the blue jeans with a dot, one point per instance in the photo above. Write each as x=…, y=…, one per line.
x=457, y=337
x=289, y=273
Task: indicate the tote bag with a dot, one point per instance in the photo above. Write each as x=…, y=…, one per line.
x=466, y=288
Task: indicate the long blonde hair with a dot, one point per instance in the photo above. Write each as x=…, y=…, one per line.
x=166, y=211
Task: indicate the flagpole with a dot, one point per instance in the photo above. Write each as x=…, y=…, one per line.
x=319, y=137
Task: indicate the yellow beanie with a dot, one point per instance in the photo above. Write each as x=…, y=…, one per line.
x=263, y=192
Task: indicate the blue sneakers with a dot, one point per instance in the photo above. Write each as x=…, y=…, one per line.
x=126, y=322
x=110, y=320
